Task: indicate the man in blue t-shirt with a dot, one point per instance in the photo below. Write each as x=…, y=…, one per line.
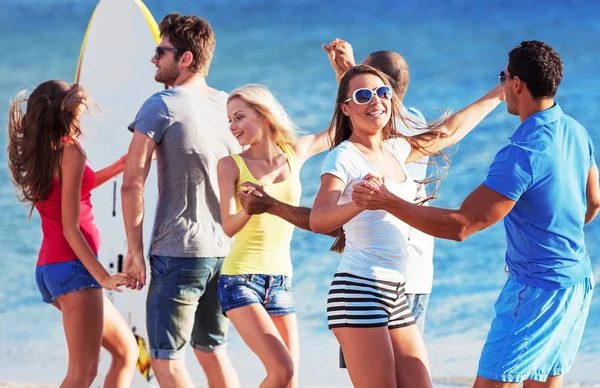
x=545, y=186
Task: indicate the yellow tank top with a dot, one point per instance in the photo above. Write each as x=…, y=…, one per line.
x=263, y=244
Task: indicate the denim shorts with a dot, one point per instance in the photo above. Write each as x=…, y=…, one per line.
x=418, y=306
x=273, y=292
x=536, y=332
x=183, y=306
x=58, y=279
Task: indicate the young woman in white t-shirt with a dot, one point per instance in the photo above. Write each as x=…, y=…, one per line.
x=367, y=309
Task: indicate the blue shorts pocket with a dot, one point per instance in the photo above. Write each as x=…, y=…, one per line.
x=62, y=274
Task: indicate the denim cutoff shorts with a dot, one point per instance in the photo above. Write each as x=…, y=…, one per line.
x=273, y=292
x=58, y=279
x=183, y=306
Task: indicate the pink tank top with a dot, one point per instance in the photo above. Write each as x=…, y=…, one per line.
x=55, y=248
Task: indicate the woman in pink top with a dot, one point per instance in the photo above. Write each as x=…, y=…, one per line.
x=49, y=168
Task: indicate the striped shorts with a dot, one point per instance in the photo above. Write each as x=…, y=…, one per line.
x=355, y=301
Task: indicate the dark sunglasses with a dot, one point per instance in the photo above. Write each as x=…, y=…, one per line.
x=160, y=50
x=363, y=96
x=502, y=77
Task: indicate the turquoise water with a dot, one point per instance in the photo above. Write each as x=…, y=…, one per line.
x=455, y=50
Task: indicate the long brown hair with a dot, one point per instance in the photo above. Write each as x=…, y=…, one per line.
x=37, y=136
x=342, y=130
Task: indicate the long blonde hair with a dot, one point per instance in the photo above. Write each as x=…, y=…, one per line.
x=282, y=129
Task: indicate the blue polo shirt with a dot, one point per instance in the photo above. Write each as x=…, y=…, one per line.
x=544, y=170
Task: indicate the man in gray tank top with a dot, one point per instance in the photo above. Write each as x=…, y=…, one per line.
x=186, y=126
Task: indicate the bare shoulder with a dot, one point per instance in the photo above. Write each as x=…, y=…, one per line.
x=72, y=150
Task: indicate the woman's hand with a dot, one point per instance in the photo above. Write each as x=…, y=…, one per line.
x=113, y=282
x=371, y=194
x=373, y=182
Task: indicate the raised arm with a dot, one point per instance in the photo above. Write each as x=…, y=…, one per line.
x=106, y=174
x=310, y=145
x=341, y=57
x=592, y=194
x=228, y=174
x=137, y=166
x=458, y=125
x=326, y=215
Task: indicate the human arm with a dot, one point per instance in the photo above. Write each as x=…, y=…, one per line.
x=458, y=125
x=137, y=166
x=341, y=57
x=592, y=194
x=72, y=168
x=481, y=209
x=310, y=145
x=256, y=201
x=102, y=176
x=232, y=220
x=326, y=215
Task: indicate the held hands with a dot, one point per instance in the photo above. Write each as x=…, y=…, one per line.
x=113, y=282
x=341, y=56
x=254, y=199
x=371, y=193
x=135, y=268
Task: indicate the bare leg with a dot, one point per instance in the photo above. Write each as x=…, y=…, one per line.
x=218, y=368
x=260, y=333
x=369, y=356
x=171, y=373
x=410, y=357
x=481, y=382
x=551, y=382
x=287, y=326
x=120, y=342
x=82, y=322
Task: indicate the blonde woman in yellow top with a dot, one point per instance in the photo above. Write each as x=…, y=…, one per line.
x=255, y=287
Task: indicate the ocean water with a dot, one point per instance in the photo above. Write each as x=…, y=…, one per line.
x=455, y=49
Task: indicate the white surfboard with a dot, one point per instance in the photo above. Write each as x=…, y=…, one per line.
x=115, y=69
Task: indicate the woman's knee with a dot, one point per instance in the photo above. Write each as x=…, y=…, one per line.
x=83, y=373
x=282, y=371
x=127, y=352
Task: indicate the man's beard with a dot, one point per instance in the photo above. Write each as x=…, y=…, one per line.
x=167, y=76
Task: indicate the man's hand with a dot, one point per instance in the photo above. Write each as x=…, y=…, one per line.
x=255, y=200
x=341, y=56
x=135, y=267
x=371, y=193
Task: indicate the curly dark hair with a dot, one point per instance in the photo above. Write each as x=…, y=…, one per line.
x=538, y=65
x=190, y=33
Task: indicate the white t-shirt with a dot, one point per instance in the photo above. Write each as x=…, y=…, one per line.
x=376, y=241
x=419, y=267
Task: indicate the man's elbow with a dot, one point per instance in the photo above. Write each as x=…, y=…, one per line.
x=592, y=211
x=462, y=231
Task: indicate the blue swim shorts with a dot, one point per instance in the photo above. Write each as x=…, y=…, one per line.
x=536, y=332
x=273, y=292
x=58, y=279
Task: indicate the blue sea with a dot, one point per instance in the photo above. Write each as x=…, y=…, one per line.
x=455, y=49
